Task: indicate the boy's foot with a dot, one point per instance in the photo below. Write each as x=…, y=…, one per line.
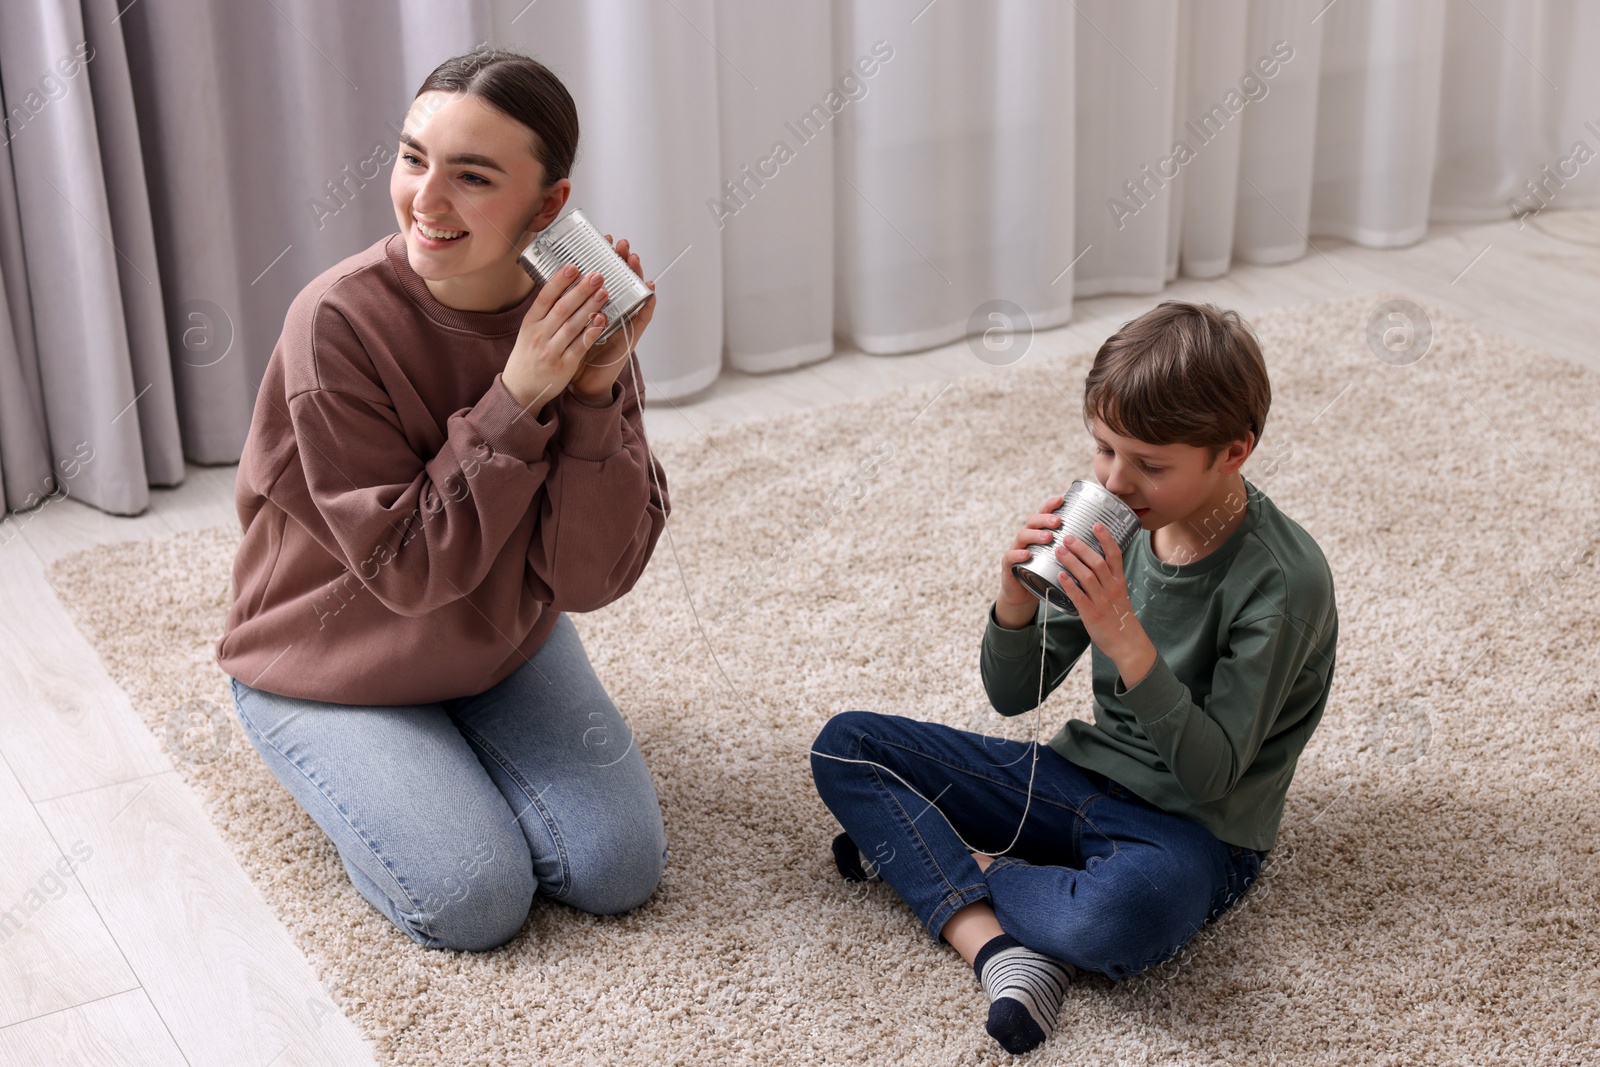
x=1025, y=992
x=851, y=863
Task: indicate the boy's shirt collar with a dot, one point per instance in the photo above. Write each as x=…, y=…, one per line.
x=1255, y=500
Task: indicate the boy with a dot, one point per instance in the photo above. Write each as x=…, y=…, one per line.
x=1213, y=656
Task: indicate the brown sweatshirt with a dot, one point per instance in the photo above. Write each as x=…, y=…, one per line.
x=410, y=533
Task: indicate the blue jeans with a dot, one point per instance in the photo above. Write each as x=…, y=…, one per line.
x=1100, y=878
x=449, y=816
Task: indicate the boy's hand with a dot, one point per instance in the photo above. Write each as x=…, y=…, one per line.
x=1103, y=604
x=1016, y=607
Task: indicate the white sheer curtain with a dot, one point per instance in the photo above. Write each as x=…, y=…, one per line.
x=799, y=175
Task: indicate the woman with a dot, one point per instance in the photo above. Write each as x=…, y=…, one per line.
x=440, y=464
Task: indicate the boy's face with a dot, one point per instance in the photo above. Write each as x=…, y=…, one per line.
x=1163, y=484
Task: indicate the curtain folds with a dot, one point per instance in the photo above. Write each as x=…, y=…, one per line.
x=801, y=176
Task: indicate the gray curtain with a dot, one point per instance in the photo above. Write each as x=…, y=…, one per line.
x=174, y=172
x=155, y=221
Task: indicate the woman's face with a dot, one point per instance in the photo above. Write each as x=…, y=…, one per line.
x=466, y=172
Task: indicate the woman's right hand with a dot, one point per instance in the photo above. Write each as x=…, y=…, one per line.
x=557, y=332
x=1016, y=607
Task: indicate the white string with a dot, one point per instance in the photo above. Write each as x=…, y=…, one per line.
x=1032, y=770
x=666, y=528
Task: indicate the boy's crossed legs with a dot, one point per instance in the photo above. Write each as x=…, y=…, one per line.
x=1099, y=879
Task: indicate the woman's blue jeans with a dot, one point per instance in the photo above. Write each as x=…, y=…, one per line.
x=449, y=816
x=1100, y=878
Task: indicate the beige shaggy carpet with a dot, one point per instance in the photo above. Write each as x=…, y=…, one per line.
x=1432, y=899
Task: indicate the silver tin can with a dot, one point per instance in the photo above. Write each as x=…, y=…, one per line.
x=1085, y=504
x=573, y=239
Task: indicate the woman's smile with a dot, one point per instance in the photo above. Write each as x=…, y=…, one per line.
x=435, y=237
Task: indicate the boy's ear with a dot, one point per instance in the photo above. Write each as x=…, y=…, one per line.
x=1234, y=456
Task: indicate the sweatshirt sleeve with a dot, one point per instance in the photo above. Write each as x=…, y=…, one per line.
x=1209, y=746
x=419, y=531
x=1010, y=659
x=605, y=504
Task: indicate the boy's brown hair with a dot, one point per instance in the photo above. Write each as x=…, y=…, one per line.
x=1181, y=373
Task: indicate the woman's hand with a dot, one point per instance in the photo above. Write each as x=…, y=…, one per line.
x=605, y=361
x=1016, y=607
x=557, y=332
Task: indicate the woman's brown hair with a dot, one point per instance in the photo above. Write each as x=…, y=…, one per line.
x=524, y=89
x=1181, y=373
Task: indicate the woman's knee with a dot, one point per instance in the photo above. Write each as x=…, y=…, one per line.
x=610, y=851
x=473, y=900
x=609, y=874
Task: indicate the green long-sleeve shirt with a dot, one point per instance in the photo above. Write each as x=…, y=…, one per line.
x=1244, y=643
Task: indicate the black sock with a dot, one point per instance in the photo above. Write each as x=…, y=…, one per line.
x=851, y=863
x=1025, y=992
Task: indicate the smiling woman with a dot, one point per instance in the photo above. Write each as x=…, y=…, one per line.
x=428, y=423
x=468, y=182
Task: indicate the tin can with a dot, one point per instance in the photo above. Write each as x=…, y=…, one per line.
x=1085, y=504
x=573, y=239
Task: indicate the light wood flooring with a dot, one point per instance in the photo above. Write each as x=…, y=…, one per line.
x=156, y=949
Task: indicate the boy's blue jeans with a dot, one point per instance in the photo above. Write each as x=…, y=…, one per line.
x=449, y=816
x=1100, y=878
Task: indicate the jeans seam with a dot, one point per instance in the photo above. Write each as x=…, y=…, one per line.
x=910, y=824
x=1037, y=796
x=953, y=903
x=361, y=835
x=1081, y=813
x=533, y=802
x=978, y=891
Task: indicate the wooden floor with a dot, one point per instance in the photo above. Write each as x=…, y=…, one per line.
x=133, y=935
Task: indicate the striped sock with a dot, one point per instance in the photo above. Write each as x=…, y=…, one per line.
x=1025, y=992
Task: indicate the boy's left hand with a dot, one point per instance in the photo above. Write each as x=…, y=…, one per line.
x=1103, y=604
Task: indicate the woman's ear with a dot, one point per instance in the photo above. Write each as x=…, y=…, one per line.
x=550, y=205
